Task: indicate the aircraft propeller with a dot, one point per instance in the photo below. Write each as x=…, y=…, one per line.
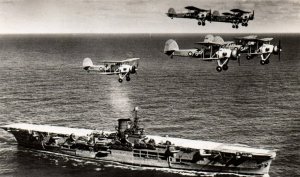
x=239, y=57
x=279, y=49
x=133, y=70
x=209, y=15
x=252, y=17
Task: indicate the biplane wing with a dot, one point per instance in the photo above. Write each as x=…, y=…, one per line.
x=239, y=11
x=248, y=38
x=209, y=43
x=255, y=53
x=228, y=42
x=210, y=59
x=196, y=9
x=108, y=73
x=122, y=61
x=266, y=39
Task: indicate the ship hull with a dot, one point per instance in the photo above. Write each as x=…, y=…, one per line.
x=143, y=157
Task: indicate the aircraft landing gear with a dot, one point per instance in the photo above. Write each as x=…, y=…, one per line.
x=263, y=62
x=219, y=68
x=127, y=78
x=235, y=26
x=267, y=61
x=246, y=24
x=201, y=23
x=225, y=67
x=120, y=80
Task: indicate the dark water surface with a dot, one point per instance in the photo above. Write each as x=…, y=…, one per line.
x=42, y=82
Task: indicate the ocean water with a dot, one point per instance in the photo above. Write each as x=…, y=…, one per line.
x=42, y=82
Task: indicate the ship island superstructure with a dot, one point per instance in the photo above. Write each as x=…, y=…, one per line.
x=129, y=144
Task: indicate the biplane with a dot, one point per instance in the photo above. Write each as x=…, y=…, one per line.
x=210, y=50
x=122, y=68
x=236, y=17
x=201, y=15
x=252, y=46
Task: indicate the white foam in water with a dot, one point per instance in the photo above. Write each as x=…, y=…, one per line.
x=98, y=169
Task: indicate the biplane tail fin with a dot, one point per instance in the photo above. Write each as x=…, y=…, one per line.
x=87, y=63
x=209, y=38
x=170, y=46
x=171, y=12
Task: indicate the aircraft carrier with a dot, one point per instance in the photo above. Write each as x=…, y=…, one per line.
x=129, y=144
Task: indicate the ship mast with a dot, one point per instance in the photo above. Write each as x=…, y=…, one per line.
x=136, y=119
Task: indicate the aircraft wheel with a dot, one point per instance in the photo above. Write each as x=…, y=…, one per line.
x=127, y=78
x=120, y=80
x=262, y=62
x=233, y=26
x=190, y=54
x=225, y=67
x=219, y=68
x=199, y=23
x=267, y=61
x=203, y=23
x=248, y=57
x=243, y=24
x=246, y=24
x=236, y=26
